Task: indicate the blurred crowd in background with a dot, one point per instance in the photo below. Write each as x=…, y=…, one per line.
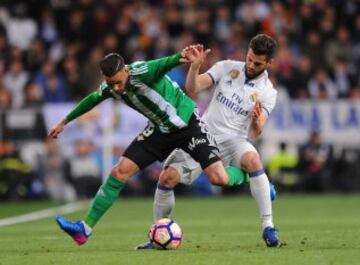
x=50, y=50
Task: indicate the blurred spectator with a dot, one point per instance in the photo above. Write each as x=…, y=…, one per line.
x=110, y=43
x=327, y=26
x=190, y=13
x=90, y=75
x=342, y=77
x=72, y=77
x=345, y=178
x=15, y=175
x=47, y=30
x=15, y=80
x=52, y=83
x=36, y=55
x=84, y=170
x=55, y=174
x=314, y=48
x=302, y=75
x=316, y=160
x=321, y=86
x=26, y=123
x=283, y=167
x=174, y=22
x=33, y=96
x=340, y=47
x=285, y=63
x=77, y=30
x=307, y=18
x=21, y=29
x=250, y=13
x=222, y=24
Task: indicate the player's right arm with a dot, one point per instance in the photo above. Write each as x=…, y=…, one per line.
x=84, y=106
x=196, y=82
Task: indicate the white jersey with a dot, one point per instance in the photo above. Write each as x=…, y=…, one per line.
x=229, y=112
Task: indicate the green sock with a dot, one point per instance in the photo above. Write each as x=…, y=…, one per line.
x=105, y=197
x=236, y=176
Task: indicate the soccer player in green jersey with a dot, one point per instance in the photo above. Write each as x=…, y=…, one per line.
x=173, y=123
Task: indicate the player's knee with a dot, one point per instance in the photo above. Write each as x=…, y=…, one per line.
x=169, y=177
x=216, y=174
x=124, y=169
x=121, y=173
x=251, y=162
x=218, y=180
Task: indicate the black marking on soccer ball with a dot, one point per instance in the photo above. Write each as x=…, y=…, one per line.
x=167, y=227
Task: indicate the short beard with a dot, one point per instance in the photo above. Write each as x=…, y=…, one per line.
x=253, y=76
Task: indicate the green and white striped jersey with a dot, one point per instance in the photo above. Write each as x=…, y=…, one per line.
x=151, y=92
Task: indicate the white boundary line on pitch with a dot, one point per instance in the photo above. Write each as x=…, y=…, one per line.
x=42, y=214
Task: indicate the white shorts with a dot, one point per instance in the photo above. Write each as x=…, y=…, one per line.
x=231, y=152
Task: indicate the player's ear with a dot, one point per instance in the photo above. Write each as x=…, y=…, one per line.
x=270, y=62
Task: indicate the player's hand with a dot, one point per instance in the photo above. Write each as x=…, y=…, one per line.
x=195, y=54
x=185, y=54
x=54, y=132
x=257, y=110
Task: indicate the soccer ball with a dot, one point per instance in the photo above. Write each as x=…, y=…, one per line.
x=165, y=234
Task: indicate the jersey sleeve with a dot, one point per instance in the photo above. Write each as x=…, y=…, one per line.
x=90, y=101
x=153, y=70
x=217, y=71
x=269, y=102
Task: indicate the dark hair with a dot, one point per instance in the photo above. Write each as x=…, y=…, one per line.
x=111, y=64
x=263, y=44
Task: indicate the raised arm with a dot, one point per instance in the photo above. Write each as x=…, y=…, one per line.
x=159, y=67
x=84, y=106
x=151, y=71
x=196, y=82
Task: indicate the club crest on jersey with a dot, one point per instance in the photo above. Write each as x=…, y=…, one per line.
x=234, y=73
x=254, y=97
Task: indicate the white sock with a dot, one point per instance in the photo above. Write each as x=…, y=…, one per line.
x=164, y=202
x=260, y=190
x=88, y=229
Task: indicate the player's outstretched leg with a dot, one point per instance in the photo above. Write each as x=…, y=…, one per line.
x=104, y=199
x=77, y=230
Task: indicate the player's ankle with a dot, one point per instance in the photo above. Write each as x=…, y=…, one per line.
x=87, y=228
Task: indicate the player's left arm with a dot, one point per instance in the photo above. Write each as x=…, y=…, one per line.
x=155, y=69
x=260, y=114
x=258, y=121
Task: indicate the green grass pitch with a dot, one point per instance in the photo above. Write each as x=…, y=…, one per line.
x=321, y=230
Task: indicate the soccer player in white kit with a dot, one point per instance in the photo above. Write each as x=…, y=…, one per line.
x=242, y=101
